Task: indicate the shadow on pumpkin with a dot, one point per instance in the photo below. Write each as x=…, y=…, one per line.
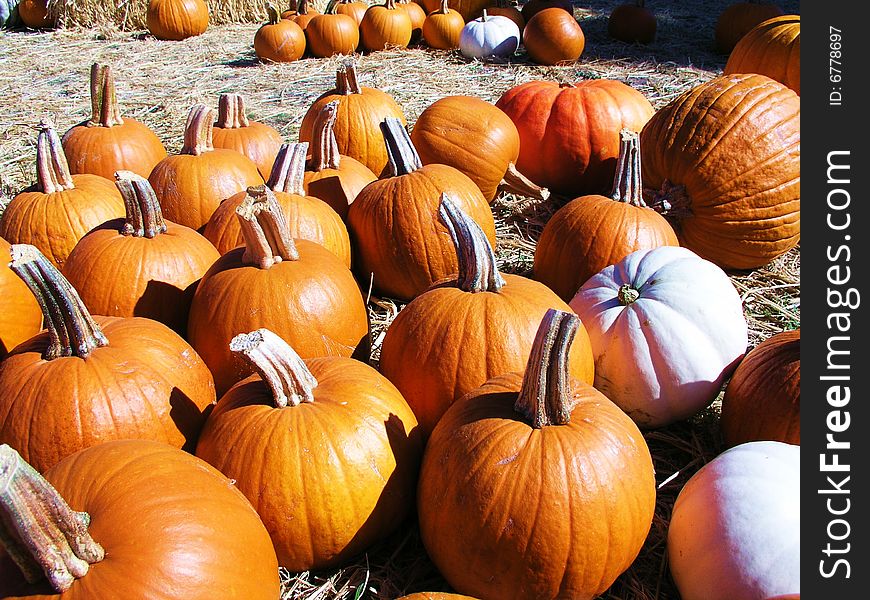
x=188, y=418
x=166, y=303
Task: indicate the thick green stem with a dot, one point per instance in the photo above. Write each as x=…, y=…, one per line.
x=288, y=171
x=72, y=330
x=231, y=112
x=104, y=103
x=545, y=395
x=403, y=157
x=278, y=365
x=52, y=168
x=144, y=216
x=198, y=130
x=478, y=271
x=39, y=530
x=264, y=227
x=626, y=181
x=515, y=182
x=324, y=149
x=345, y=79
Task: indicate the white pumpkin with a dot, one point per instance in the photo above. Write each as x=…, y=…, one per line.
x=735, y=527
x=666, y=328
x=488, y=36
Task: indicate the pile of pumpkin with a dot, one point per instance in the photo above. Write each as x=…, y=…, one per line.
x=203, y=372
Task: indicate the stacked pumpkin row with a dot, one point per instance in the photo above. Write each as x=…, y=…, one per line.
x=448, y=340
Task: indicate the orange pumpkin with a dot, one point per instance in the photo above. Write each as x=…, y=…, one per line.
x=176, y=19
x=771, y=48
x=303, y=15
x=20, y=317
x=279, y=39
x=332, y=33
x=107, y=143
x=417, y=15
x=738, y=19
x=352, y=8
x=441, y=27
x=234, y=131
x=552, y=36
x=385, y=25
x=35, y=14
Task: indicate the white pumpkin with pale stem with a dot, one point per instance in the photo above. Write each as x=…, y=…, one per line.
x=735, y=527
x=666, y=328
x=489, y=36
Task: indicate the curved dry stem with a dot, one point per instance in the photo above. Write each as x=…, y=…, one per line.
x=105, y=111
x=144, y=215
x=198, y=130
x=478, y=271
x=515, y=182
x=324, y=150
x=264, y=227
x=52, y=168
x=278, y=365
x=626, y=181
x=403, y=157
x=231, y=112
x=345, y=79
x=288, y=171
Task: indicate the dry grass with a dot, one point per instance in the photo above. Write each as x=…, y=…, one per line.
x=45, y=74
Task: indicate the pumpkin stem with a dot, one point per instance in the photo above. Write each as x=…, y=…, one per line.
x=515, y=182
x=544, y=397
x=390, y=4
x=144, y=216
x=273, y=14
x=104, y=103
x=672, y=201
x=72, y=330
x=324, y=149
x=483, y=16
x=345, y=79
x=278, y=365
x=403, y=157
x=198, y=130
x=302, y=7
x=52, y=168
x=627, y=294
x=443, y=8
x=39, y=530
x=478, y=271
x=288, y=172
x=231, y=112
x=264, y=227
x=626, y=180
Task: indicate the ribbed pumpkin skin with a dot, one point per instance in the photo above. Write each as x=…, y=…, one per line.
x=314, y=304
x=55, y=222
x=442, y=30
x=738, y=19
x=176, y=19
x=125, y=276
x=328, y=478
x=397, y=235
x=569, y=136
x=190, y=188
x=308, y=218
x=734, y=144
x=20, y=315
x=590, y=233
x=333, y=34
x=339, y=187
x=553, y=36
x=382, y=27
x=283, y=41
x=257, y=141
x=507, y=511
x=762, y=399
x=352, y=8
x=148, y=502
x=772, y=48
x=448, y=342
x=131, y=146
x=147, y=383
x=470, y=135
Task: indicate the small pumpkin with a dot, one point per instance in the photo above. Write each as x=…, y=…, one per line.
x=442, y=27
x=535, y=485
x=285, y=423
x=632, y=22
x=352, y=8
x=114, y=377
x=417, y=16
x=332, y=33
x=533, y=7
x=772, y=48
x=404, y=210
x=233, y=130
x=176, y=19
x=738, y=19
x=297, y=288
x=153, y=264
x=489, y=37
x=591, y=232
x=35, y=14
x=190, y=185
x=385, y=25
x=762, y=398
x=667, y=328
x=279, y=40
x=57, y=211
x=107, y=142
x=553, y=36
x=304, y=14
x=503, y=8
x=137, y=504
x=20, y=317
x=735, y=526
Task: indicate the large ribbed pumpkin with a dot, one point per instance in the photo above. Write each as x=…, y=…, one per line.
x=535, y=485
x=131, y=519
x=326, y=450
x=569, y=133
x=762, y=399
x=20, y=316
x=722, y=162
x=771, y=48
x=90, y=379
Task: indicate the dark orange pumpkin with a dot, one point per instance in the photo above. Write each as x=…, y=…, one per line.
x=279, y=39
x=385, y=25
x=771, y=48
x=176, y=19
x=333, y=178
x=536, y=485
x=130, y=519
x=357, y=127
x=56, y=212
x=552, y=36
x=279, y=434
x=569, y=133
x=763, y=398
x=465, y=330
x=533, y=7
x=738, y=19
x=140, y=266
x=417, y=15
x=441, y=27
x=722, y=161
x=331, y=34
x=504, y=9
x=394, y=221
x=35, y=14
x=91, y=379
x=190, y=185
x=592, y=232
x=107, y=143
x=632, y=23
x=298, y=289
x=308, y=218
x=469, y=9
x=20, y=316
x=233, y=130
x=352, y=8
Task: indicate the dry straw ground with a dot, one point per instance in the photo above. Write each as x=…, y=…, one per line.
x=45, y=74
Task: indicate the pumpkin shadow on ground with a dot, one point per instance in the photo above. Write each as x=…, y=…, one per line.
x=243, y=62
